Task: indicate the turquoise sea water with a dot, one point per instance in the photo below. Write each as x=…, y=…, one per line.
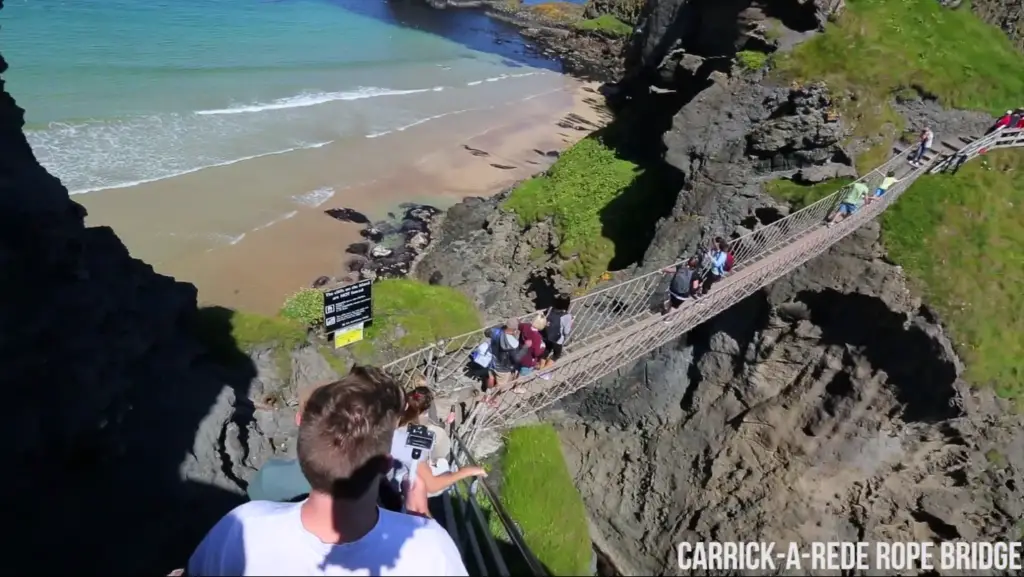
x=119, y=92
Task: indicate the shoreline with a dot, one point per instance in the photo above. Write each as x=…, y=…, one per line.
x=308, y=247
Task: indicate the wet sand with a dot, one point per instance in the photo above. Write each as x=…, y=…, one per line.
x=268, y=243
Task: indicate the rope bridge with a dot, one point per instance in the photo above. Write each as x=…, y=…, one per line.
x=615, y=325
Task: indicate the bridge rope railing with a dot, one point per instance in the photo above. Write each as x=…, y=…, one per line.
x=611, y=307
x=781, y=253
x=760, y=260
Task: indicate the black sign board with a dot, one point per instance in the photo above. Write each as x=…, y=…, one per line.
x=348, y=305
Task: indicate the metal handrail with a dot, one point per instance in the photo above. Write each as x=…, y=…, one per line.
x=461, y=456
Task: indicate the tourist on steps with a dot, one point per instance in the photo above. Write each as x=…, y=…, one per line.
x=1003, y=122
x=434, y=472
x=924, y=143
x=559, y=323
x=887, y=182
x=345, y=438
x=855, y=197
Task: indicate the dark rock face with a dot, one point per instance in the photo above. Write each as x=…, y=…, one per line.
x=394, y=245
x=790, y=418
x=116, y=418
x=705, y=29
x=1006, y=14
x=484, y=253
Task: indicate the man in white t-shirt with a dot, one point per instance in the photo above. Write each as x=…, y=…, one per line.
x=344, y=440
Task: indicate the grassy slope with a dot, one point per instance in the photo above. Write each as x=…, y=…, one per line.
x=799, y=196
x=575, y=193
x=539, y=494
x=423, y=312
x=408, y=315
x=606, y=24
x=878, y=48
x=961, y=238
x=956, y=236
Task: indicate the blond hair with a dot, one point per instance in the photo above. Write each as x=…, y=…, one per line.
x=539, y=322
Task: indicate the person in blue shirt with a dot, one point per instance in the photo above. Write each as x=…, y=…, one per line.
x=280, y=479
x=715, y=264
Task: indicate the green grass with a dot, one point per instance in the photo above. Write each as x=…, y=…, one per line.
x=606, y=24
x=562, y=12
x=880, y=48
x=230, y=334
x=575, y=193
x=798, y=196
x=539, y=494
x=409, y=314
x=751, y=60
x=959, y=238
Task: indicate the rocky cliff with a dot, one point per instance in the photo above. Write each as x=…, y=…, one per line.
x=125, y=441
x=1006, y=14
x=828, y=406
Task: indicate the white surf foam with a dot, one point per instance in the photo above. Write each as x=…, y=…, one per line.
x=418, y=122
x=314, y=198
x=315, y=98
x=198, y=168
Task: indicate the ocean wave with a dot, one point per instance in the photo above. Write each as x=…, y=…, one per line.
x=197, y=169
x=316, y=98
x=314, y=198
x=418, y=122
x=501, y=77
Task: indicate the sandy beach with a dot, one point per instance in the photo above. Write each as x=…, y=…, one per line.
x=273, y=236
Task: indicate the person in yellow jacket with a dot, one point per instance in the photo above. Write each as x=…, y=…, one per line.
x=887, y=182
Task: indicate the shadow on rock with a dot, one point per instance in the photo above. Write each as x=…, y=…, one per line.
x=921, y=373
x=115, y=460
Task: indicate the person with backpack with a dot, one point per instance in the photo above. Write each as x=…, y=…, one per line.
x=559, y=325
x=495, y=358
x=717, y=261
x=684, y=284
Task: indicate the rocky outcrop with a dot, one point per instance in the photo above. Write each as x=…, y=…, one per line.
x=484, y=252
x=627, y=11
x=708, y=30
x=1006, y=14
x=124, y=435
x=789, y=418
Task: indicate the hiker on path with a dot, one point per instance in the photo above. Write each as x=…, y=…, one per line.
x=923, y=145
x=854, y=198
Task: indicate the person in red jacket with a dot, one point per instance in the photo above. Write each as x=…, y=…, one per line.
x=532, y=343
x=1003, y=122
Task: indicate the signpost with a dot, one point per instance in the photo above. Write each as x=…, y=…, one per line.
x=347, y=311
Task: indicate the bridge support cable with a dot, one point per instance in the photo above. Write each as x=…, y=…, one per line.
x=617, y=324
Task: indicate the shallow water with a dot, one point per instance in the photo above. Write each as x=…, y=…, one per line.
x=122, y=92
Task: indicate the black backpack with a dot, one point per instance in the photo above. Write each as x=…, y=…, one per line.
x=553, y=331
